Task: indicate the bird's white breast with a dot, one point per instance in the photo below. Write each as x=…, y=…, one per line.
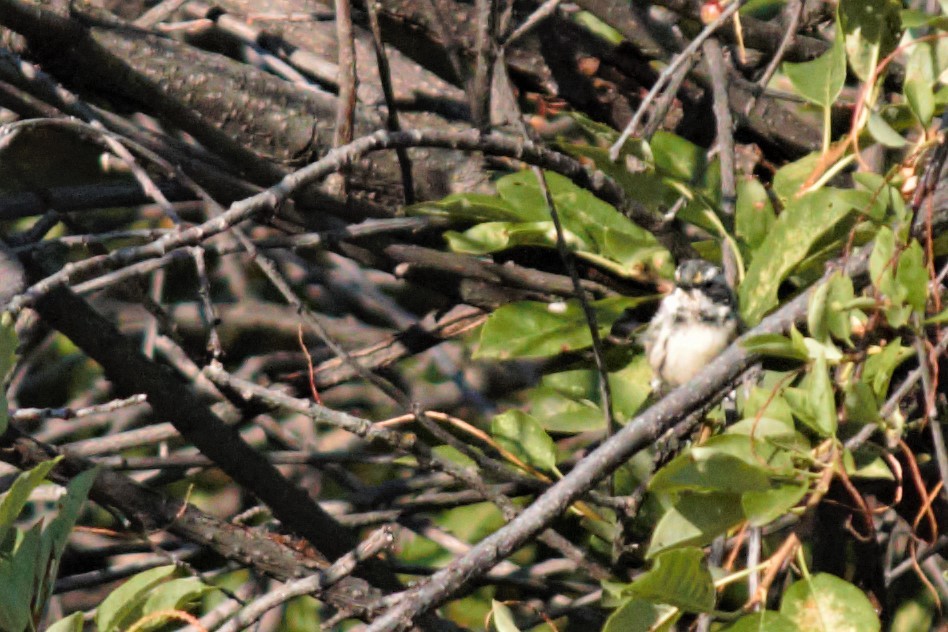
x=690, y=347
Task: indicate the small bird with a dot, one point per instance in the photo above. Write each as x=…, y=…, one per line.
x=693, y=324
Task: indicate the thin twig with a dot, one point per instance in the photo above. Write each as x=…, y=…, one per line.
x=669, y=72
x=544, y=11
x=270, y=198
x=345, y=106
x=484, y=51
x=391, y=119
x=319, y=581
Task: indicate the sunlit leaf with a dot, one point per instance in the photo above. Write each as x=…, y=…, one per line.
x=502, y=617
x=871, y=30
x=826, y=603
x=530, y=329
x=763, y=621
x=820, y=81
x=523, y=435
x=72, y=623
x=805, y=220
x=754, y=214
x=123, y=605
x=919, y=79
x=639, y=615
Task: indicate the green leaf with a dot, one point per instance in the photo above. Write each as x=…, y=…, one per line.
x=838, y=316
x=20, y=568
x=591, y=227
x=8, y=345
x=72, y=623
x=523, y=435
x=882, y=261
x=502, y=617
x=883, y=133
x=871, y=30
x=679, y=158
x=827, y=315
x=680, y=578
x=762, y=508
x=475, y=207
x=15, y=499
x=901, y=278
x=912, y=276
x=775, y=346
x=861, y=404
x=496, y=236
x=937, y=319
x=639, y=615
x=867, y=462
x=754, y=214
x=696, y=519
x=529, y=329
x=710, y=470
x=919, y=79
x=123, y=605
x=763, y=621
x=790, y=177
x=826, y=603
x=805, y=220
x=630, y=387
x=766, y=400
x=56, y=532
x=560, y=413
x=880, y=366
x=820, y=81
x=813, y=402
x=816, y=312
x=176, y=594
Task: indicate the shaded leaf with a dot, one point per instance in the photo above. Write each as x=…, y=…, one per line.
x=696, y=519
x=8, y=345
x=882, y=132
x=763, y=507
x=679, y=577
x=813, y=402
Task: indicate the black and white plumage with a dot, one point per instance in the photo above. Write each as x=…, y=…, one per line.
x=693, y=324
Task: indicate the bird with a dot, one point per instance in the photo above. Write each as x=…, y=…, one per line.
x=694, y=323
